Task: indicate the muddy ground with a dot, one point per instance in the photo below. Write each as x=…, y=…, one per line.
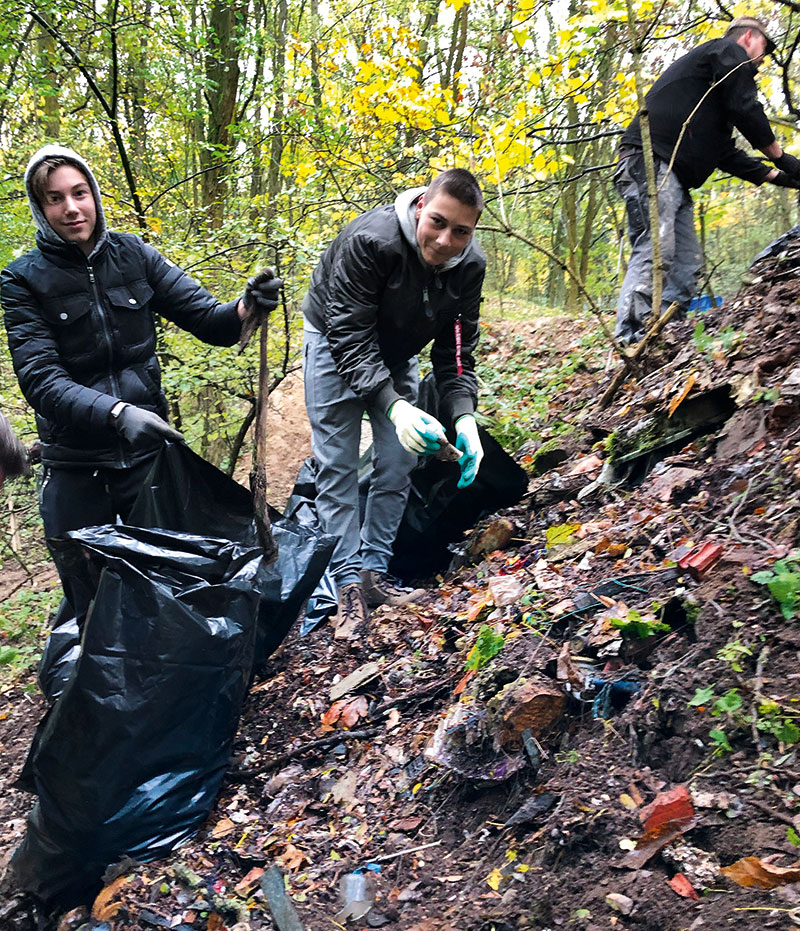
x=611, y=753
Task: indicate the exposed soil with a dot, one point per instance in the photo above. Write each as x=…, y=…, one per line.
x=481, y=826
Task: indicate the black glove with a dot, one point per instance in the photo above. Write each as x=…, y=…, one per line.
x=144, y=428
x=789, y=164
x=784, y=180
x=261, y=292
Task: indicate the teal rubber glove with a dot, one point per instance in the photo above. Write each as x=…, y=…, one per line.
x=418, y=432
x=471, y=450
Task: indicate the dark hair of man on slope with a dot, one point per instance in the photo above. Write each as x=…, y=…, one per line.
x=460, y=184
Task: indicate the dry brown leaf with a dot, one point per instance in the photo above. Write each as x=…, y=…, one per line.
x=216, y=922
x=222, y=828
x=353, y=710
x=332, y=715
x=104, y=908
x=245, y=886
x=750, y=871
x=293, y=858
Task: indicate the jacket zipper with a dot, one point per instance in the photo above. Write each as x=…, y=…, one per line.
x=107, y=334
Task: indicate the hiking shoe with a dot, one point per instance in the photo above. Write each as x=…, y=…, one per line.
x=383, y=589
x=351, y=618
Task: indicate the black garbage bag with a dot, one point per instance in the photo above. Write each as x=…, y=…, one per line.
x=150, y=680
x=437, y=512
x=186, y=494
x=60, y=653
x=130, y=758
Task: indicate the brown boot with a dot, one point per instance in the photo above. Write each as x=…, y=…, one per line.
x=382, y=589
x=351, y=618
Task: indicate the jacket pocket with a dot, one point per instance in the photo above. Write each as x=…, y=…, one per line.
x=66, y=311
x=132, y=318
x=132, y=296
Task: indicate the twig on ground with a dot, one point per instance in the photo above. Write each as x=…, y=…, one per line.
x=245, y=774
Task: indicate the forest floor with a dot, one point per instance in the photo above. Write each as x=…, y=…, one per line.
x=592, y=727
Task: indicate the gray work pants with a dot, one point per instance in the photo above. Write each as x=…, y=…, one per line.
x=680, y=248
x=335, y=413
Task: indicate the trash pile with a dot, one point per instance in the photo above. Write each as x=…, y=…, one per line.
x=592, y=719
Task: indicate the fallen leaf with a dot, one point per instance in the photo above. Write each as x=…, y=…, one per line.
x=344, y=789
x=104, y=908
x=477, y=604
x=245, y=886
x=495, y=878
x=216, y=922
x=353, y=710
x=222, y=828
x=682, y=886
x=750, y=871
x=681, y=395
x=293, y=858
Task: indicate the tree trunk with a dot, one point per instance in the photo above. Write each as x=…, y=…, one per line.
x=222, y=87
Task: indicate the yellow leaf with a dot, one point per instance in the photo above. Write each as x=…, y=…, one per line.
x=494, y=879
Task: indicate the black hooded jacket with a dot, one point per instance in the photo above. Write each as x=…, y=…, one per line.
x=82, y=336
x=707, y=142
x=379, y=304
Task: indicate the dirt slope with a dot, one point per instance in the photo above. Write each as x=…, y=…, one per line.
x=630, y=728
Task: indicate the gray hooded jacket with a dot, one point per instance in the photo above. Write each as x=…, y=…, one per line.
x=379, y=304
x=81, y=330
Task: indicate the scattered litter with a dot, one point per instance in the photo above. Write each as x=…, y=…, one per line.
x=699, y=560
x=356, y=895
x=354, y=681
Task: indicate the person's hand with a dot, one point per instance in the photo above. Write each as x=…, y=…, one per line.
x=417, y=431
x=262, y=292
x=144, y=428
x=784, y=180
x=260, y=298
x=787, y=163
x=469, y=443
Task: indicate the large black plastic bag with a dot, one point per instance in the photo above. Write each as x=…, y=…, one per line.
x=185, y=493
x=130, y=758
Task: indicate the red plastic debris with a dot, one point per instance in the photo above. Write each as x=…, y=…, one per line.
x=683, y=887
x=699, y=560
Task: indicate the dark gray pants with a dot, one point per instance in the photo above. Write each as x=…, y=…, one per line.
x=335, y=413
x=680, y=248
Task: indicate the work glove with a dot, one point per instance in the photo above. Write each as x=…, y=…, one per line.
x=468, y=442
x=788, y=163
x=261, y=294
x=784, y=180
x=143, y=428
x=417, y=431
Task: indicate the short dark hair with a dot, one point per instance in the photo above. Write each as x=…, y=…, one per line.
x=43, y=171
x=458, y=183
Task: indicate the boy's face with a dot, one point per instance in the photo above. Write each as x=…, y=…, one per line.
x=444, y=227
x=69, y=206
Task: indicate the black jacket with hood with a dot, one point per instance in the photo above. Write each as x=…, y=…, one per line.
x=379, y=304
x=82, y=335
x=707, y=142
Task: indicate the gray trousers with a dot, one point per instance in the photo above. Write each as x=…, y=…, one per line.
x=335, y=413
x=680, y=248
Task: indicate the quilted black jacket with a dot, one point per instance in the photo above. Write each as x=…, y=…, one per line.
x=82, y=337
x=379, y=305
